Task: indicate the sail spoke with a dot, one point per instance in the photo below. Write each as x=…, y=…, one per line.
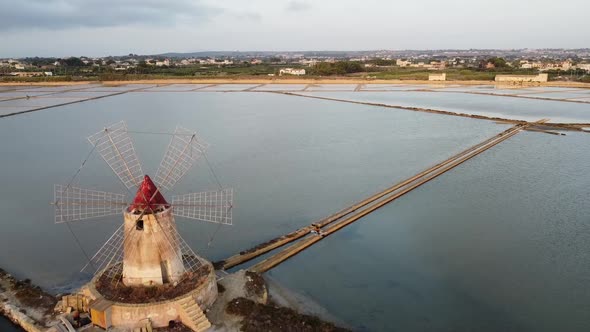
x=110, y=255
x=191, y=261
x=211, y=206
x=116, y=148
x=184, y=149
x=73, y=203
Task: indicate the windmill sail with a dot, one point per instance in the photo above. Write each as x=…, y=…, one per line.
x=73, y=203
x=147, y=246
x=211, y=206
x=184, y=149
x=116, y=148
x=109, y=255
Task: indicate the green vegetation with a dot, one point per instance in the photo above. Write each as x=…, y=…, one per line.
x=78, y=72
x=397, y=73
x=453, y=74
x=382, y=62
x=498, y=62
x=67, y=78
x=76, y=69
x=572, y=74
x=207, y=70
x=336, y=68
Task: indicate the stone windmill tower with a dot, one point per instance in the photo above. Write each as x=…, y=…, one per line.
x=147, y=257
x=146, y=249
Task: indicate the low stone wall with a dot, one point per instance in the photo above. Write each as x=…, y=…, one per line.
x=437, y=77
x=25, y=304
x=130, y=316
x=522, y=78
x=14, y=313
x=137, y=315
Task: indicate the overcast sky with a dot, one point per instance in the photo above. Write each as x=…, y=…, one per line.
x=117, y=27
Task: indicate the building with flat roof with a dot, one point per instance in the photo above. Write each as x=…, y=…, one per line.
x=292, y=71
x=437, y=77
x=522, y=78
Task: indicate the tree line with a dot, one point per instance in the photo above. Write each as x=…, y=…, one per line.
x=336, y=68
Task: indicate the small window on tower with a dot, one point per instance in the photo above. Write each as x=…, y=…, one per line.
x=139, y=225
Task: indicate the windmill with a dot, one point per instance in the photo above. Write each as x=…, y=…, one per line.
x=146, y=249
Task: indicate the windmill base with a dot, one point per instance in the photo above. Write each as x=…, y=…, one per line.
x=187, y=307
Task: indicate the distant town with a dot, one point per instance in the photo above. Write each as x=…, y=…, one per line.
x=557, y=64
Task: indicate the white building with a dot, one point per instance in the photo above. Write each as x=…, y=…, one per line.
x=310, y=62
x=163, y=63
x=292, y=71
x=437, y=77
x=403, y=63
x=544, y=66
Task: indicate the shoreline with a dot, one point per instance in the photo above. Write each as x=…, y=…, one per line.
x=262, y=301
x=6, y=322
x=339, y=80
x=25, y=305
x=289, y=298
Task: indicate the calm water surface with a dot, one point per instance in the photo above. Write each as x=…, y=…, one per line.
x=7, y=326
x=500, y=243
x=498, y=106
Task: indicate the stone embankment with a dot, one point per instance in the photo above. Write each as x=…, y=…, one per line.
x=25, y=304
x=243, y=303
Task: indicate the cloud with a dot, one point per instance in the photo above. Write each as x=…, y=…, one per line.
x=244, y=15
x=63, y=14
x=298, y=5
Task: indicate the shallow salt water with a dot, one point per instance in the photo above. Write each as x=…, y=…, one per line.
x=332, y=87
x=507, y=232
x=498, y=106
x=498, y=243
x=558, y=95
x=177, y=87
x=281, y=87
x=292, y=164
x=229, y=87
x=403, y=87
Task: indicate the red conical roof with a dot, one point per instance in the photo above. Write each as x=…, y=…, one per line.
x=148, y=197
